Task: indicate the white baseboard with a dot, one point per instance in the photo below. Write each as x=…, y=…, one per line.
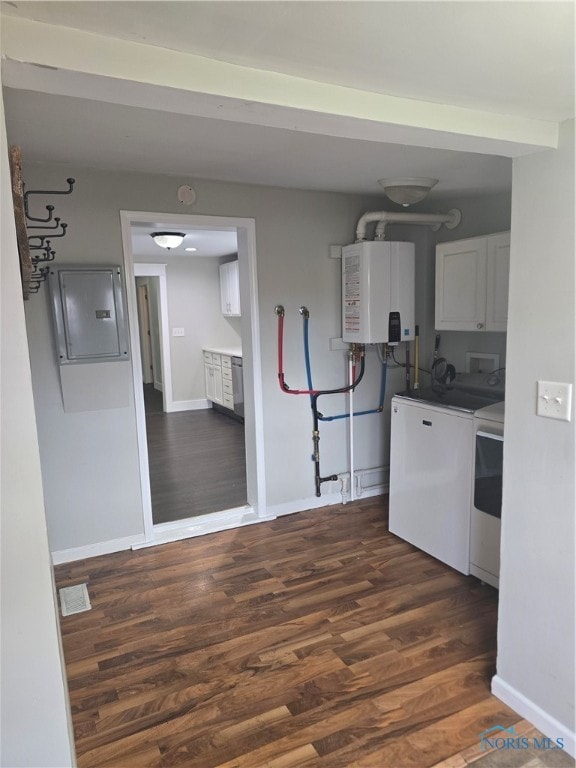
x=374, y=490
x=301, y=505
x=158, y=385
x=200, y=526
x=534, y=714
x=93, y=550
x=326, y=500
x=191, y=527
x=188, y=405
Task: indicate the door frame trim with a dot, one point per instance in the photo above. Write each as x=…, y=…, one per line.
x=250, y=329
x=159, y=270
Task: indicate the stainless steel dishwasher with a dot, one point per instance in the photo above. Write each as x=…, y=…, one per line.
x=238, y=387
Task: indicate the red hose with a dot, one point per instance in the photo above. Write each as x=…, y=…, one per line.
x=283, y=386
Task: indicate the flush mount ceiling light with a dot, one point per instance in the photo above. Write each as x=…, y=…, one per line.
x=408, y=190
x=168, y=239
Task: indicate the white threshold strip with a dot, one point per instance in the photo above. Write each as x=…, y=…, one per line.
x=201, y=525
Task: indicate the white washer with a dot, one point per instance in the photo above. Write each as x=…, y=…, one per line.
x=431, y=462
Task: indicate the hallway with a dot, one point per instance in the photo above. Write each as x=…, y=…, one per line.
x=197, y=461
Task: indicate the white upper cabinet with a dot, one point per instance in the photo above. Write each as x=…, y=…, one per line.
x=230, y=289
x=472, y=284
x=497, y=272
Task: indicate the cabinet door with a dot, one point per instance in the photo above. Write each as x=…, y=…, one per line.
x=209, y=378
x=234, y=288
x=461, y=285
x=497, y=269
x=218, y=392
x=224, y=301
x=230, y=289
x=213, y=378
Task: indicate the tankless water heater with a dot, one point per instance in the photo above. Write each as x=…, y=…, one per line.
x=378, y=292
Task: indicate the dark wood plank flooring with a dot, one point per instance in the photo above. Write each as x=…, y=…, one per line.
x=315, y=640
x=197, y=461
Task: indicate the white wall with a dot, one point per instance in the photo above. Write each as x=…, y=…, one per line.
x=193, y=287
x=294, y=230
x=193, y=290
x=34, y=700
x=536, y=616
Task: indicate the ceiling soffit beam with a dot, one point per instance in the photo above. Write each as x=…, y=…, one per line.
x=64, y=61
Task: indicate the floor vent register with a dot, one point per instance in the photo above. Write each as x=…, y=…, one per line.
x=74, y=599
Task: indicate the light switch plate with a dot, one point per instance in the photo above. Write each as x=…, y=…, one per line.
x=554, y=400
x=177, y=331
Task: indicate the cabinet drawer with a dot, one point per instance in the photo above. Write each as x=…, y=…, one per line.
x=208, y=357
x=226, y=362
x=227, y=374
x=226, y=386
x=216, y=359
x=228, y=401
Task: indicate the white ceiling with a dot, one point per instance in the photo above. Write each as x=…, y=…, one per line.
x=95, y=134
x=209, y=243
x=506, y=57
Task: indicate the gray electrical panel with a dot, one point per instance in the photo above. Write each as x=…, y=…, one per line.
x=89, y=314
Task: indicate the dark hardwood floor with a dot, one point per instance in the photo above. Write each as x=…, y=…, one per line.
x=197, y=461
x=315, y=640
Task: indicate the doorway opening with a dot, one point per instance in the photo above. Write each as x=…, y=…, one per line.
x=201, y=470
x=196, y=454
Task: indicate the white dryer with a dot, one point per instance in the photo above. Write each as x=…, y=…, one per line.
x=486, y=509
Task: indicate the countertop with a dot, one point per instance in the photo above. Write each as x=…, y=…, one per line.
x=230, y=351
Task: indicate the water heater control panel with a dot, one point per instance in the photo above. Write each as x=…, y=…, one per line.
x=378, y=292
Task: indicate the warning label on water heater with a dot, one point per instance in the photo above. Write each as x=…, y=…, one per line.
x=351, y=299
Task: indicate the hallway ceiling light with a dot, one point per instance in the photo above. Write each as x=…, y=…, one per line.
x=190, y=249
x=407, y=191
x=168, y=239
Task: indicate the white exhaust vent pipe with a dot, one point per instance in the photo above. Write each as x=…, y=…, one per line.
x=450, y=220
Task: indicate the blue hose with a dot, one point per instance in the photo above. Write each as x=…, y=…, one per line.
x=372, y=410
x=347, y=415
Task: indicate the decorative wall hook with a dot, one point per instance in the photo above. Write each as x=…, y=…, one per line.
x=43, y=226
x=34, y=249
x=49, y=208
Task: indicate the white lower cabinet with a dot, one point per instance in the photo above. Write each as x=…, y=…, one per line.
x=227, y=392
x=218, y=377
x=213, y=374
